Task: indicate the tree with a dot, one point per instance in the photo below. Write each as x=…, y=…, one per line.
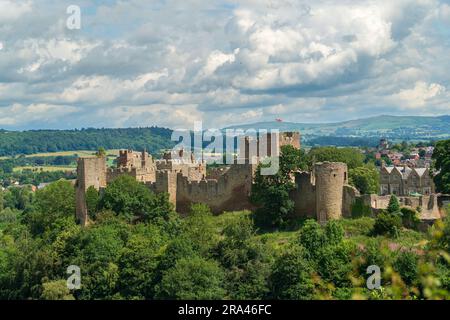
x=192, y=279
x=272, y=193
x=351, y=156
x=97, y=251
x=334, y=263
x=138, y=263
x=312, y=237
x=199, y=228
x=92, y=201
x=133, y=200
x=101, y=152
x=52, y=205
x=291, y=277
x=387, y=224
x=441, y=166
x=394, y=205
x=365, y=179
x=56, y=290
x=246, y=260
x=406, y=265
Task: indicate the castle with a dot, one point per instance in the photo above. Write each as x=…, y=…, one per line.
x=323, y=193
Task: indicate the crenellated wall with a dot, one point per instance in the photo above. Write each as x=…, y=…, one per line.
x=230, y=192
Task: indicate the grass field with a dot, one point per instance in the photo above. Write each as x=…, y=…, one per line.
x=81, y=153
x=44, y=168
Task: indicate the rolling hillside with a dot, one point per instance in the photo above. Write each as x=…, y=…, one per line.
x=392, y=127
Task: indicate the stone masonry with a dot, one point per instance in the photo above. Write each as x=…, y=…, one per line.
x=323, y=194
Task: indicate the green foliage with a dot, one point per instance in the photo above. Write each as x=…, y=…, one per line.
x=97, y=251
x=199, y=228
x=359, y=209
x=40, y=141
x=271, y=193
x=246, y=261
x=138, y=263
x=334, y=263
x=387, y=224
x=394, y=205
x=312, y=237
x=133, y=200
x=92, y=201
x=17, y=198
x=410, y=218
x=192, y=279
x=441, y=165
x=101, y=152
x=365, y=179
x=352, y=157
x=406, y=265
x=291, y=277
x=53, y=205
x=56, y=290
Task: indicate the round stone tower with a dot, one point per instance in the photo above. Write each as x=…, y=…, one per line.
x=330, y=180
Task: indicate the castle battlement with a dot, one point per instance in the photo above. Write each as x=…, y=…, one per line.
x=323, y=193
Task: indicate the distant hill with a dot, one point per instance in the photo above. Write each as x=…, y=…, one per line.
x=361, y=132
x=368, y=129
x=37, y=141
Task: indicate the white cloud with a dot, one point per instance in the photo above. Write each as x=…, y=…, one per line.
x=12, y=10
x=418, y=96
x=19, y=114
x=147, y=63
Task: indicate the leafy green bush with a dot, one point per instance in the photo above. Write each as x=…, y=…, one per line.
x=406, y=264
x=192, y=279
x=359, y=209
x=387, y=224
x=410, y=218
x=292, y=276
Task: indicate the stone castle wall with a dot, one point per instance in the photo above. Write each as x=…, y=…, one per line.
x=323, y=193
x=90, y=172
x=429, y=208
x=304, y=195
x=229, y=192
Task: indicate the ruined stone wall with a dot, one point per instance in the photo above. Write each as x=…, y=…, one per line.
x=330, y=178
x=350, y=194
x=428, y=204
x=304, y=195
x=90, y=172
x=166, y=181
x=147, y=174
x=290, y=138
x=230, y=192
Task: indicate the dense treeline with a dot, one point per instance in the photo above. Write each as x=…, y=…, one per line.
x=37, y=141
x=137, y=247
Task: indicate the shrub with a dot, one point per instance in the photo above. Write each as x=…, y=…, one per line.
x=394, y=205
x=410, y=218
x=359, y=209
x=406, y=265
x=291, y=276
x=387, y=224
x=192, y=278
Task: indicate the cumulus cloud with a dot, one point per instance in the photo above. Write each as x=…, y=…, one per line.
x=418, y=96
x=224, y=62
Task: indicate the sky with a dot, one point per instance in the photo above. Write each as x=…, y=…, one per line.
x=171, y=63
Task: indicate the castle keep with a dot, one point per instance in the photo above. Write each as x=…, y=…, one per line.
x=323, y=193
